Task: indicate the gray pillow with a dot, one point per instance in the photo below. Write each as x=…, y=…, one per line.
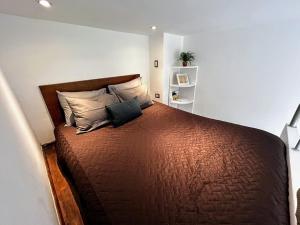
x=69, y=116
x=90, y=114
x=140, y=92
x=130, y=84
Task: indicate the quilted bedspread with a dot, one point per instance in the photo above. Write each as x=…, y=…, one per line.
x=169, y=167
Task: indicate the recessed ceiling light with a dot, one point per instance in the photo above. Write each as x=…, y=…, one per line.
x=45, y=3
x=153, y=27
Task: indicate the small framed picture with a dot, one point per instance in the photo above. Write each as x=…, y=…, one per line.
x=155, y=63
x=183, y=79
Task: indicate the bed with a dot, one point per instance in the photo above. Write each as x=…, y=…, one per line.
x=169, y=167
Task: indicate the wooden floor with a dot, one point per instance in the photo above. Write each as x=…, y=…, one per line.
x=68, y=210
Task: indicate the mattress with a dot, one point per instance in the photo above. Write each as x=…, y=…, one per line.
x=170, y=167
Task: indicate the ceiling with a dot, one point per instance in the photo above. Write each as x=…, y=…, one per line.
x=174, y=16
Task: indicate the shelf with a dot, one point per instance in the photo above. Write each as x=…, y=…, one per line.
x=183, y=86
x=182, y=101
x=185, y=67
x=186, y=92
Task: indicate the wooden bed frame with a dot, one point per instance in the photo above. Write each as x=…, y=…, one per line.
x=68, y=210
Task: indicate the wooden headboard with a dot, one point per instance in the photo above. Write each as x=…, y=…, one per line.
x=51, y=100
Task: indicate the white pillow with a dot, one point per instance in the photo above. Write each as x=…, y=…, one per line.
x=69, y=116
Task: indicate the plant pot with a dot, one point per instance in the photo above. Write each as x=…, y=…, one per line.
x=184, y=63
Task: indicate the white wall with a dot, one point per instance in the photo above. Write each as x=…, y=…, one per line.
x=172, y=47
x=249, y=76
x=165, y=48
x=25, y=190
x=156, y=48
x=35, y=52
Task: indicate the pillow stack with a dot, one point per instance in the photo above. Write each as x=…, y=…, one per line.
x=89, y=110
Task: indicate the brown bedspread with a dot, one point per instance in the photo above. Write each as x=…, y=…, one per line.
x=169, y=167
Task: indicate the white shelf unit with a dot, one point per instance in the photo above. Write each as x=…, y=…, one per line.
x=183, y=86
x=186, y=92
x=182, y=101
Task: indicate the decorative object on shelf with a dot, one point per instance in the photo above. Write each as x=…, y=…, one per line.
x=182, y=79
x=295, y=118
x=187, y=57
x=155, y=63
x=175, y=95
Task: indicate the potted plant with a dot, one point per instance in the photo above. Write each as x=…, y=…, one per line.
x=187, y=57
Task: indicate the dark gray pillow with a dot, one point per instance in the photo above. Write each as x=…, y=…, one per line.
x=120, y=113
